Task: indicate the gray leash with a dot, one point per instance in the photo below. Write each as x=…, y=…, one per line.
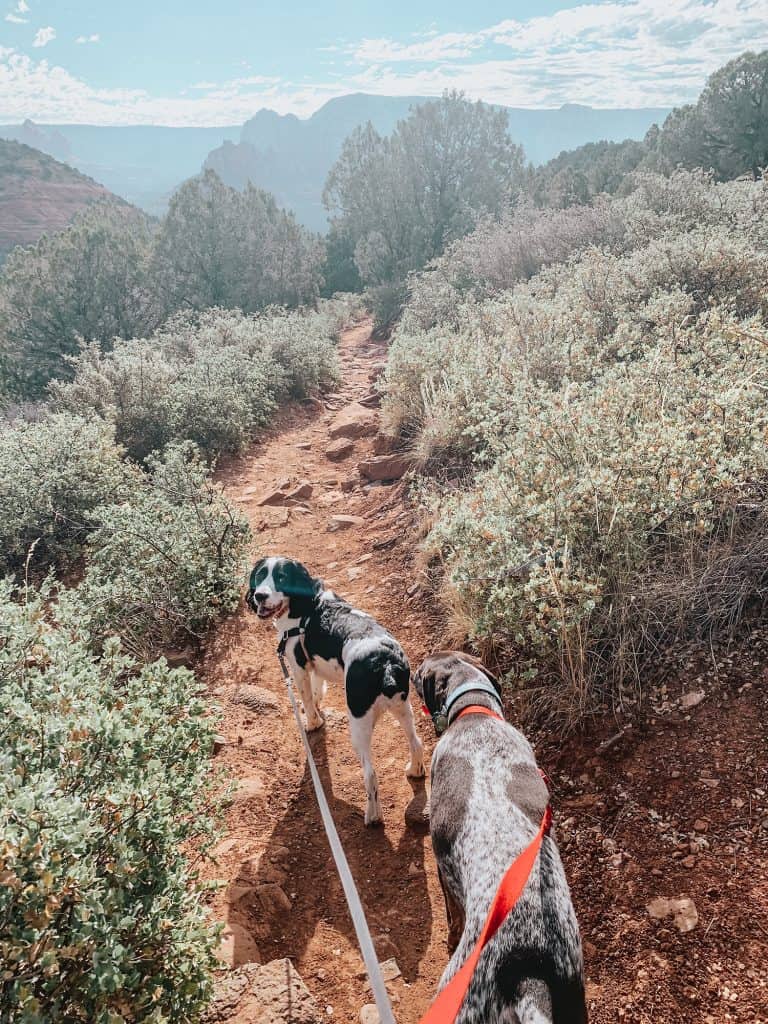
x=356, y=911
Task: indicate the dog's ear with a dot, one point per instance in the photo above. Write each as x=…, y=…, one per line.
x=295, y=581
x=431, y=683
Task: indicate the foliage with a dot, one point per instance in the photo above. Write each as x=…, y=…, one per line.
x=220, y=247
x=602, y=426
x=164, y=565
x=398, y=201
x=213, y=378
x=54, y=475
x=727, y=129
x=103, y=784
x=725, y=132
x=88, y=282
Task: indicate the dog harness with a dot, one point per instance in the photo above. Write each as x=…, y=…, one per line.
x=298, y=631
x=447, y=1005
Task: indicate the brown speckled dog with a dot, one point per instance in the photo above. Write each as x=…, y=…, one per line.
x=487, y=803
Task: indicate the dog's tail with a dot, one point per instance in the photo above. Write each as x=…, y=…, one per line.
x=395, y=680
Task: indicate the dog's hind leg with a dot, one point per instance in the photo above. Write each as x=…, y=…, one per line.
x=454, y=914
x=361, y=732
x=400, y=707
x=303, y=680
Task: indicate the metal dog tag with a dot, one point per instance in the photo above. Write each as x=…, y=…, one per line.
x=441, y=722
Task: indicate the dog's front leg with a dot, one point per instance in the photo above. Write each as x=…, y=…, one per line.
x=361, y=732
x=304, y=682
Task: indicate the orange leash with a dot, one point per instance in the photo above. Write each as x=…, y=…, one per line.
x=445, y=1009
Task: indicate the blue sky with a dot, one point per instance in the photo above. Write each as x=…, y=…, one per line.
x=205, y=63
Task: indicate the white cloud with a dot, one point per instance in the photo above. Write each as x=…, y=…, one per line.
x=626, y=53
x=88, y=39
x=616, y=53
x=44, y=36
x=22, y=7
x=452, y=45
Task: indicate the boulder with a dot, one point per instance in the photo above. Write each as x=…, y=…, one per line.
x=354, y=421
x=273, y=497
x=370, y=401
x=300, y=493
x=237, y=946
x=385, y=467
x=270, y=994
x=339, y=450
x=344, y=522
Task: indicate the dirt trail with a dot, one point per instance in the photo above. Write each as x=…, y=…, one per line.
x=283, y=896
x=670, y=805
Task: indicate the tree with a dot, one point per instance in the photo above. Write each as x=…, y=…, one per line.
x=400, y=200
x=86, y=283
x=734, y=116
x=221, y=247
x=726, y=130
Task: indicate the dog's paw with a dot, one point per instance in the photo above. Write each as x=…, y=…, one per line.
x=373, y=815
x=415, y=768
x=315, y=722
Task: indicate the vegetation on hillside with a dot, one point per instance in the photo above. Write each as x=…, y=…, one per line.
x=114, y=275
x=104, y=784
x=602, y=427
x=398, y=201
x=725, y=132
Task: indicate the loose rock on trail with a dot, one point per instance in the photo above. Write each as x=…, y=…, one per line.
x=631, y=802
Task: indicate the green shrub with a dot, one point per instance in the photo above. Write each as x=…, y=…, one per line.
x=104, y=781
x=603, y=430
x=213, y=378
x=162, y=566
x=53, y=476
x=607, y=509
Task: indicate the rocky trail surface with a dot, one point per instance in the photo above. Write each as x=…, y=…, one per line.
x=663, y=826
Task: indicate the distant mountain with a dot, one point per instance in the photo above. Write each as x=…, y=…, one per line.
x=291, y=157
x=284, y=154
x=38, y=195
x=142, y=164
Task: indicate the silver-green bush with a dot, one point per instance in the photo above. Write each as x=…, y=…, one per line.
x=213, y=378
x=162, y=566
x=103, y=786
x=54, y=474
x=603, y=427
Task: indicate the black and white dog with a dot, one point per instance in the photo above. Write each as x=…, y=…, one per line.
x=325, y=638
x=488, y=800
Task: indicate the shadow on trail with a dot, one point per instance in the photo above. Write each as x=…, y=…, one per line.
x=298, y=860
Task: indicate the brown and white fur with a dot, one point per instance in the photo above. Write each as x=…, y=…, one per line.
x=486, y=805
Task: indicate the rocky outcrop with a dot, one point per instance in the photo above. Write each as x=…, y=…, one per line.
x=386, y=467
x=270, y=994
x=354, y=421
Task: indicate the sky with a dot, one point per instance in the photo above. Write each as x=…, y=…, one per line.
x=200, y=62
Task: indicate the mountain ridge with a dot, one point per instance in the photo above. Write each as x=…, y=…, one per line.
x=288, y=155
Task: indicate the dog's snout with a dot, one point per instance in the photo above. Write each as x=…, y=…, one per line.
x=260, y=595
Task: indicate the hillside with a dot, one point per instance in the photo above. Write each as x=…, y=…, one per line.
x=38, y=195
x=291, y=157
